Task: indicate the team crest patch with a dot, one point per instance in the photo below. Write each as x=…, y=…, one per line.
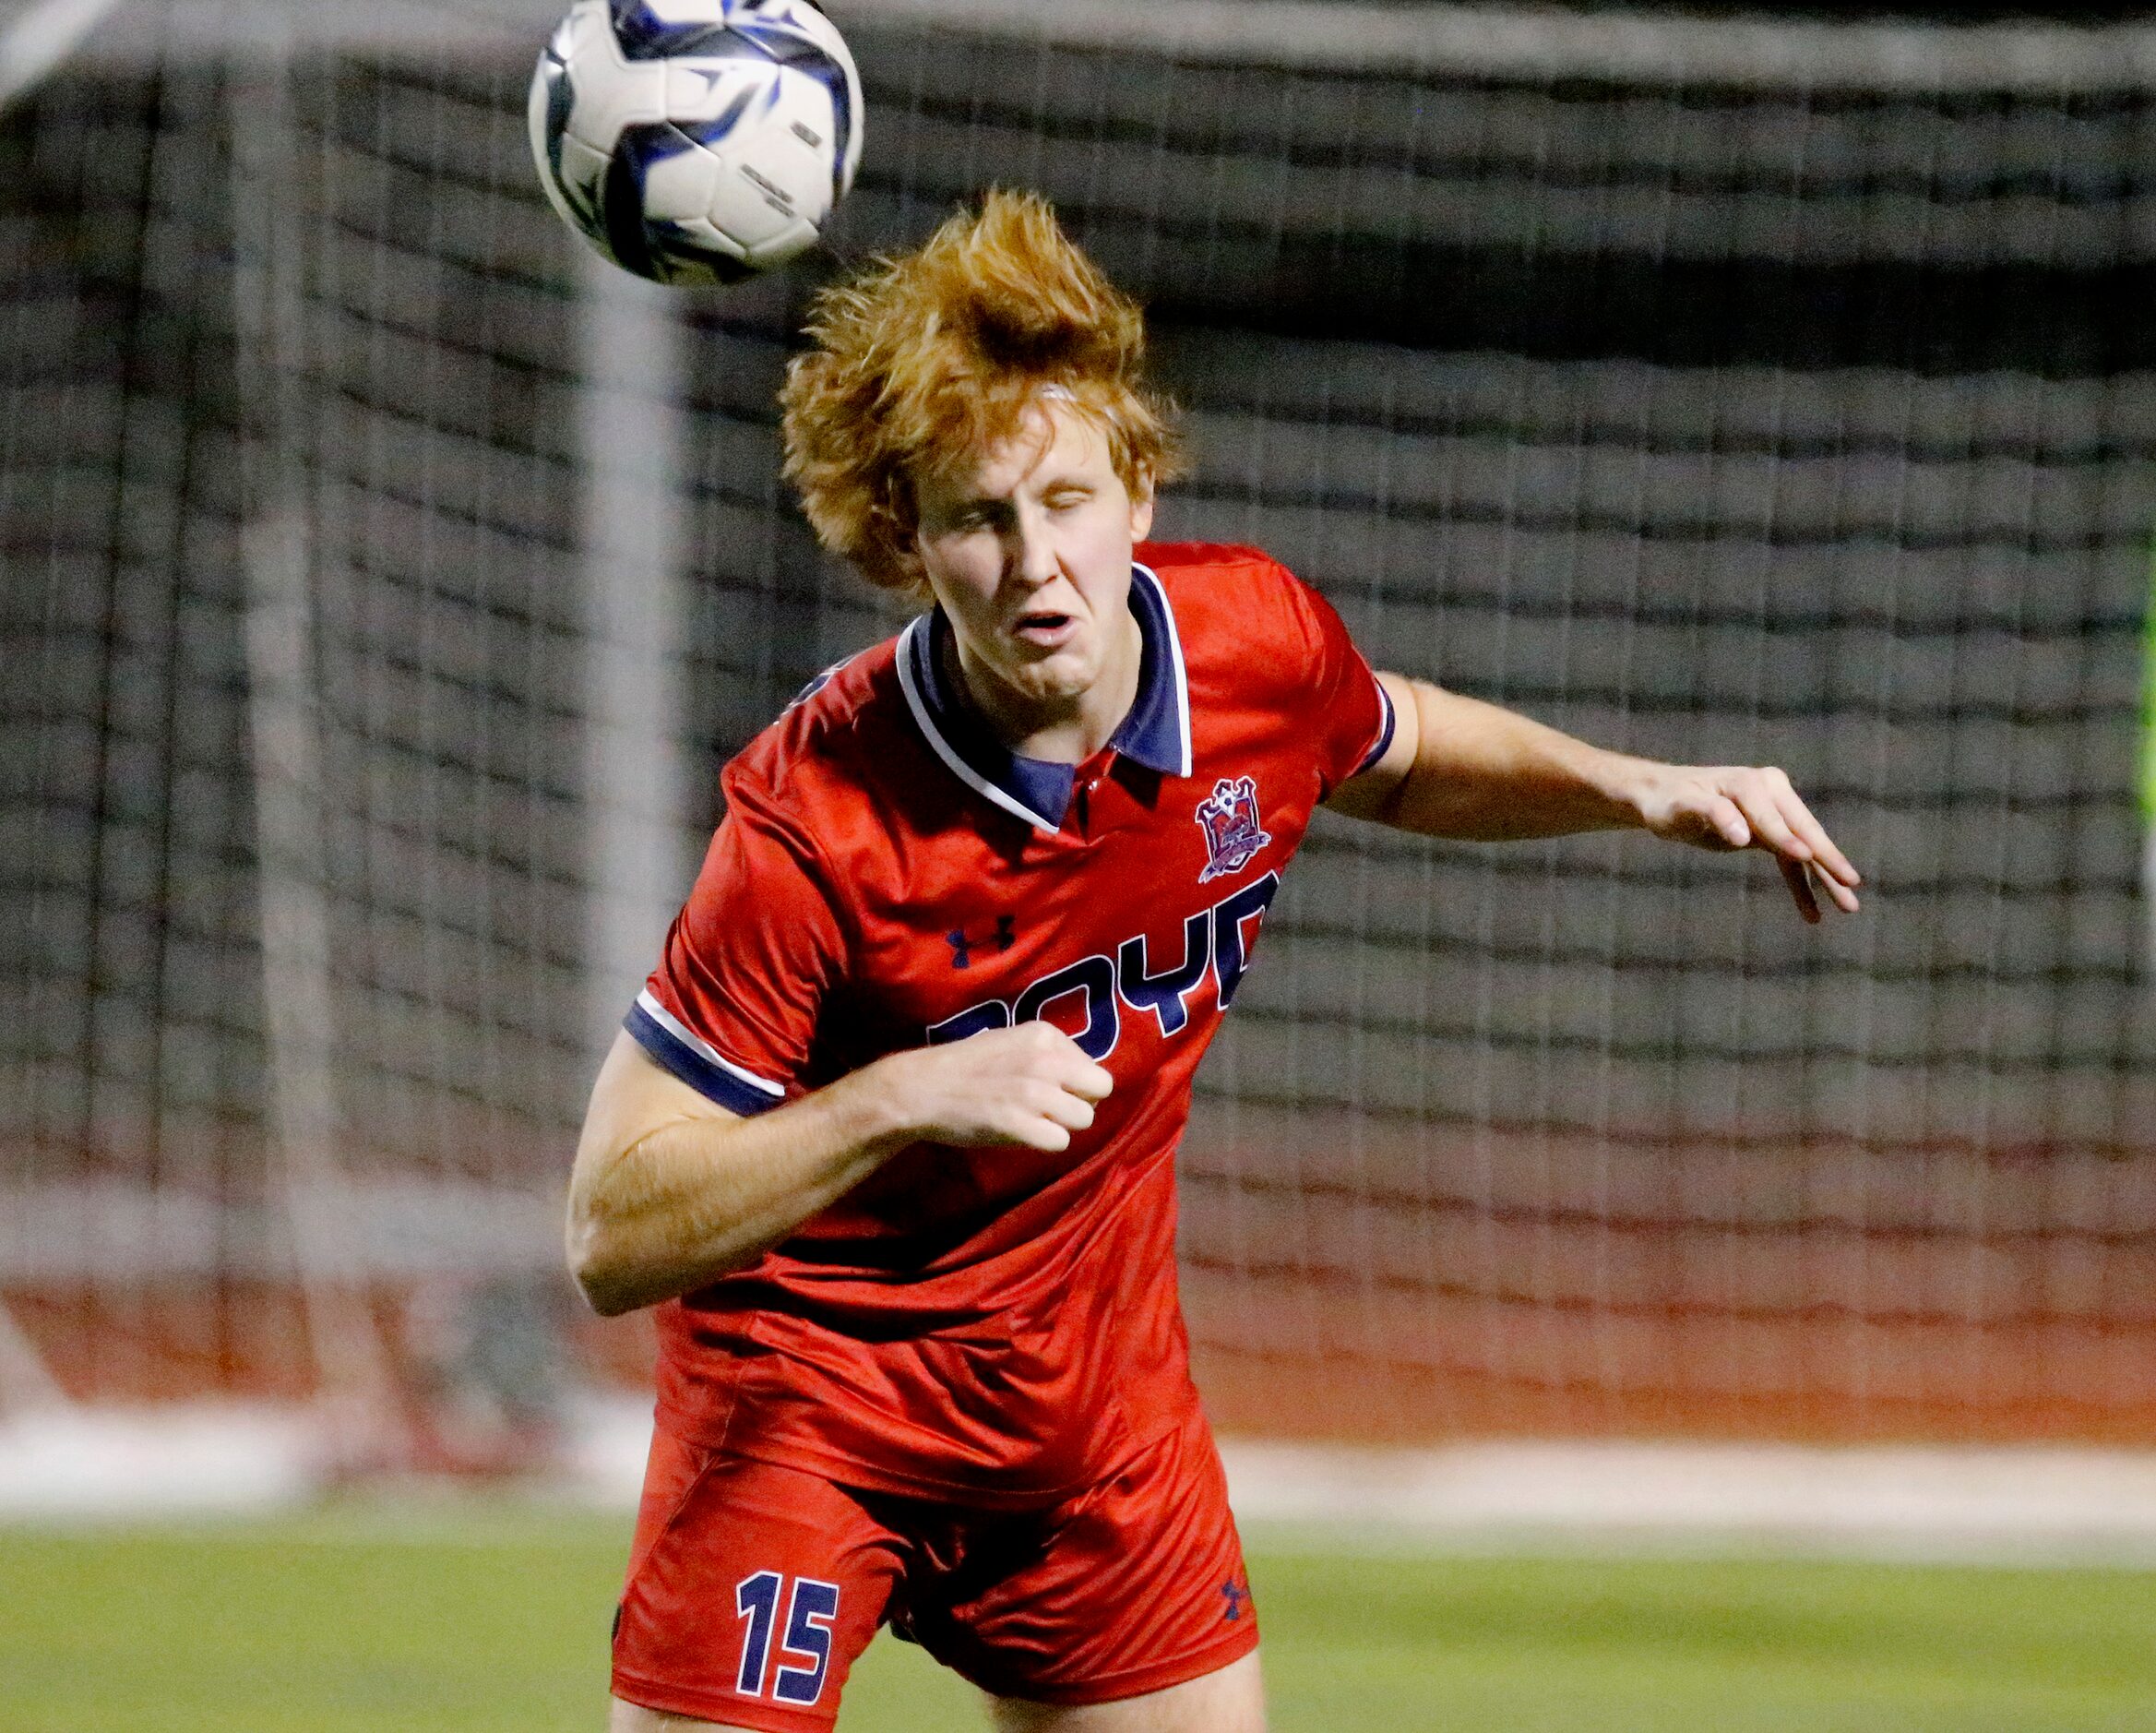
x=1229, y=817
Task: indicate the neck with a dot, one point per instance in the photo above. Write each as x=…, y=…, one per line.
x=1054, y=729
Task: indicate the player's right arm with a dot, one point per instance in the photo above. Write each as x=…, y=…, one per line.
x=671, y=1190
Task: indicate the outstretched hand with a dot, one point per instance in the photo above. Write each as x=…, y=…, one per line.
x=1736, y=807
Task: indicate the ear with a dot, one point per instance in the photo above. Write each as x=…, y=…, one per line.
x=1141, y=507
x=909, y=572
x=898, y=529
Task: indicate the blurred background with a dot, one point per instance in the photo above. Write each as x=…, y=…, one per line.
x=384, y=580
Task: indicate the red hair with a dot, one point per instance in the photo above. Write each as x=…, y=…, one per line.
x=922, y=363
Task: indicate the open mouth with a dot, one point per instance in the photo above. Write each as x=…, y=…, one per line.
x=1042, y=626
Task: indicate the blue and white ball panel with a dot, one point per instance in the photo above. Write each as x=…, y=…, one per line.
x=809, y=47
x=697, y=1062
x=569, y=173
x=658, y=29
x=553, y=93
x=712, y=97
x=775, y=184
x=660, y=171
x=617, y=92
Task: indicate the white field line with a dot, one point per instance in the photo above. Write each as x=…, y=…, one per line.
x=88, y=1462
x=1994, y=1505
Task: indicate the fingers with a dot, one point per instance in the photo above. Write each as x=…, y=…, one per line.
x=1092, y=1082
x=1728, y=820
x=1829, y=860
x=1059, y=1107
x=1032, y=1085
x=1741, y=807
x=1781, y=821
x=1797, y=875
x=1064, y=1061
x=1045, y=1115
x=1778, y=818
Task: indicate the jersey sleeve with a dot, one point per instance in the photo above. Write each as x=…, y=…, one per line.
x=732, y=1009
x=1348, y=712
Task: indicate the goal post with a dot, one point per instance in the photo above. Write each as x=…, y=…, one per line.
x=633, y=436
x=2149, y=764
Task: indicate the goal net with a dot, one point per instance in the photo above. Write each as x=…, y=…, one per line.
x=385, y=584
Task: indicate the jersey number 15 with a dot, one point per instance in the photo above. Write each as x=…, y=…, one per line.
x=808, y=1636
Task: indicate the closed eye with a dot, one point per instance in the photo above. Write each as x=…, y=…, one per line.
x=967, y=518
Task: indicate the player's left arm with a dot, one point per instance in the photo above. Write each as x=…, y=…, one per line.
x=1457, y=767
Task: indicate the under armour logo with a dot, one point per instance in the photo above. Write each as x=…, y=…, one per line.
x=962, y=947
x=1237, y=1597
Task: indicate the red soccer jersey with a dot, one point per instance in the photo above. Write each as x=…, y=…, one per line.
x=1001, y=1324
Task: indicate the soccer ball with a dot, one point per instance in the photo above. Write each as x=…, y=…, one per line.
x=696, y=141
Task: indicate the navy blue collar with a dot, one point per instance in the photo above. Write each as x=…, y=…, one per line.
x=1155, y=734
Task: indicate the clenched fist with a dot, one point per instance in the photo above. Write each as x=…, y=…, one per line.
x=1030, y=1085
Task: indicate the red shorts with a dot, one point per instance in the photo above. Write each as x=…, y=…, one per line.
x=752, y=1587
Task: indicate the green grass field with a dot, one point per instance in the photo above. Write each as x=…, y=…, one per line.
x=496, y=1619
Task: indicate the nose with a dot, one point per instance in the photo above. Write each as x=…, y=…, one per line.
x=1029, y=552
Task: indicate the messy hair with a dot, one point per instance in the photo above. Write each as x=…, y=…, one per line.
x=922, y=362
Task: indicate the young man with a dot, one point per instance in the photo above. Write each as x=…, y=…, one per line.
x=889, y=1136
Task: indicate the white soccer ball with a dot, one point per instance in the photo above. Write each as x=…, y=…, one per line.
x=696, y=141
